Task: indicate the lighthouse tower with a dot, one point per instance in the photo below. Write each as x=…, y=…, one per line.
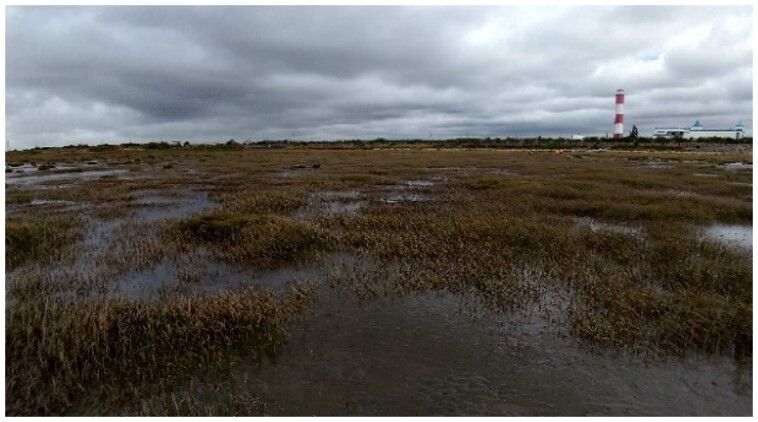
x=618, y=123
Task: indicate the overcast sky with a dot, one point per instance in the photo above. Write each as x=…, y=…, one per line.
x=118, y=74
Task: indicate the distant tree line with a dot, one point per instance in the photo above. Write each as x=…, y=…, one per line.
x=632, y=140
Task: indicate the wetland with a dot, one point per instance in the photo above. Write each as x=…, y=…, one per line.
x=308, y=281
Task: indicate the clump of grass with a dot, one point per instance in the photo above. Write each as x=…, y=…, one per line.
x=260, y=240
x=38, y=238
x=265, y=202
x=610, y=312
x=219, y=226
x=203, y=402
x=19, y=196
x=673, y=292
x=100, y=191
x=503, y=183
x=60, y=352
x=699, y=265
x=354, y=178
x=72, y=170
x=43, y=167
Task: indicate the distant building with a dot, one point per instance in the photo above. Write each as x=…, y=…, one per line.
x=698, y=131
x=577, y=137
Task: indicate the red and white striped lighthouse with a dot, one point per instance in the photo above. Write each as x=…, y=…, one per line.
x=618, y=123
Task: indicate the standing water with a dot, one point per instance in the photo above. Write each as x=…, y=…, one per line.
x=429, y=354
x=736, y=235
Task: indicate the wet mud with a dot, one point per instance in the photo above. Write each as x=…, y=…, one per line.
x=440, y=354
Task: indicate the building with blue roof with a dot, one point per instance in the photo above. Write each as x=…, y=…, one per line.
x=697, y=130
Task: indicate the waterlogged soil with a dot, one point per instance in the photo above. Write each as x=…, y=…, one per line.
x=48, y=204
x=294, y=171
x=199, y=273
x=180, y=203
x=440, y=354
x=737, y=166
x=464, y=171
x=397, y=197
x=150, y=206
x=31, y=168
x=735, y=235
x=656, y=164
x=331, y=203
x=40, y=179
x=596, y=225
x=409, y=191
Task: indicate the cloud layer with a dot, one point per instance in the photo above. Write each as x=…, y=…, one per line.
x=118, y=74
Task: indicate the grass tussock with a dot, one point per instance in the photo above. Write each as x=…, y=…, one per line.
x=503, y=183
x=612, y=314
x=221, y=400
x=38, y=238
x=266, y=202
x=61, y=351
x=259, y=240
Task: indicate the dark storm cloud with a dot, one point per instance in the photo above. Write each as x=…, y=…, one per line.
x=207, y=74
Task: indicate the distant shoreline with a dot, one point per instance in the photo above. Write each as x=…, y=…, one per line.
x=641, y=144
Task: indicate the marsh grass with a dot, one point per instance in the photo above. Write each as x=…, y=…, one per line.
x=503, y=226
x=256, y=240
x=38, y=238
x=221, y=398
x=661, y=289
x=59, y=351
x=267, y=201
